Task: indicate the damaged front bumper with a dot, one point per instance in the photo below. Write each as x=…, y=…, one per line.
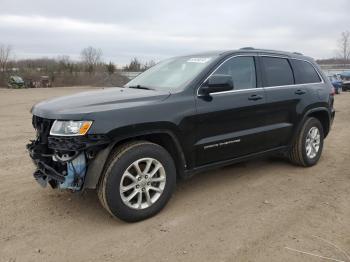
x=62, y=162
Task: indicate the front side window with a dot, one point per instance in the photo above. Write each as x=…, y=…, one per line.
x=242, y=71
x=305, y=73
x=277, y=72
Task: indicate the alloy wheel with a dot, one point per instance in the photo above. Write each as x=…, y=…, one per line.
x=142, y=183
x=312, y=144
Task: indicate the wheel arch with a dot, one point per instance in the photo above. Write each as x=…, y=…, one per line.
x=324, y=117
x=163, y=137
x=320, y=113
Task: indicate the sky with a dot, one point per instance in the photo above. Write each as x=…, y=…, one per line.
x=158, y=29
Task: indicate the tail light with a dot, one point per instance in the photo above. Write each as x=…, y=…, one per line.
x=332, y=91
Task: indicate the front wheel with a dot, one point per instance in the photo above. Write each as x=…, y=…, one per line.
x=138, y=182
x=307, y=147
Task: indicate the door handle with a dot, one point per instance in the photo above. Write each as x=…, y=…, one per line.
x=255, y=97
x=300, y=92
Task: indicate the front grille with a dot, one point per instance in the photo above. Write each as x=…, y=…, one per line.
x=76, y=143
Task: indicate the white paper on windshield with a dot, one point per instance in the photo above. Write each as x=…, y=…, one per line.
x=199, y=60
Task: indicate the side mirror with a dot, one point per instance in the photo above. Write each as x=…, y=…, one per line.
x=217, y=83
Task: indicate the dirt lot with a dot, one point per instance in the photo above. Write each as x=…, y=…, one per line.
x=247, y=212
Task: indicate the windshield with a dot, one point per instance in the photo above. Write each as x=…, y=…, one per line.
x=171, y=74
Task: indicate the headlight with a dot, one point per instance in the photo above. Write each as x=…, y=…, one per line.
x=70, y=128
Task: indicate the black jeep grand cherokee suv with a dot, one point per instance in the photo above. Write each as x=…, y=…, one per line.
x=182, y=116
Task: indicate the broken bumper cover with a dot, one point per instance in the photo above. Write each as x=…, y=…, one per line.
x=46, y=170
x=62, y=161
x=45, y=174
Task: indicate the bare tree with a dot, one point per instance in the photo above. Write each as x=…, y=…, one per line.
x=65, y=64
x=64, y=60
x=91, y=58
x=134, y=65
x=110, y=68
x=149, y=64
x=5, y=52
x=344, y=46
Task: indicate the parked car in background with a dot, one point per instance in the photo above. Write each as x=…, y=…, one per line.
x=15, y=82
x=345, y=77
x=336, y=82
x=45, y=81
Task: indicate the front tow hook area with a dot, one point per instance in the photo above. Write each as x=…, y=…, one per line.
x=50, y=172
x=40, y=178
x=71, y=175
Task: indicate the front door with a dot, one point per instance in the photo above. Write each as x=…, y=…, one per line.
x=231, y=123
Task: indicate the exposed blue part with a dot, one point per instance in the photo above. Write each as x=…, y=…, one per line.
x=76, y=170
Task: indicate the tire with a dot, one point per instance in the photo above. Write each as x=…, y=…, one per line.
x=126, y=158
x=298, y=154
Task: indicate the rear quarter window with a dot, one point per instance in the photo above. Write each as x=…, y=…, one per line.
x=304, y=72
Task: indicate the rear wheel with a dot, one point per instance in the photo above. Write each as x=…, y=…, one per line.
x=307, y=148
x=139, y=180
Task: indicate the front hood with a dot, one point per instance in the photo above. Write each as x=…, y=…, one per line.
x=82, y=105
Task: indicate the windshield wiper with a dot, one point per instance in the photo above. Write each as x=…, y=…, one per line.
x=141, y=87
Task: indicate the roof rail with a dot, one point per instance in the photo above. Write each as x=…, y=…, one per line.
x=297, y=53
x=247, y=48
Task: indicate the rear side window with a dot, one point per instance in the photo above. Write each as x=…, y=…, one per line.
x=277, y=71
x=242, y=71
x=304, y=72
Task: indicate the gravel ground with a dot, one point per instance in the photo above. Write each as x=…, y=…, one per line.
x=255, y=211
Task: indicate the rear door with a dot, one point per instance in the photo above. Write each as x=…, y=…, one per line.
x=231, y=123
x=285, y=100
x=307, y=76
